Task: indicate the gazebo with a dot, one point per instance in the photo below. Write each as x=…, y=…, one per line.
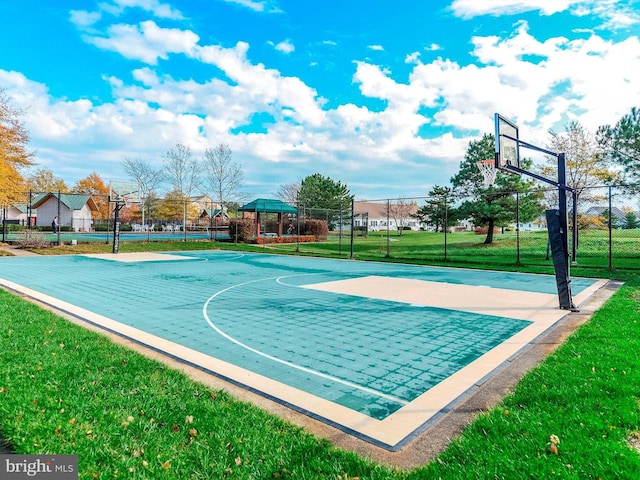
x=264, y=205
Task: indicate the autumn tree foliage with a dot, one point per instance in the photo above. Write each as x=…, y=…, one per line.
x=43, y=180
x=176, y=207
x=14, y=156
x=94, y=185
x=586, y=166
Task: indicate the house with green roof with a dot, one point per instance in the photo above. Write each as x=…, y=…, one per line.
x=72, y=210
x=20, y=214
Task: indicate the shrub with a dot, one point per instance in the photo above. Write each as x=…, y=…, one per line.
x=485, y=230
x=289, y=239
x=316, y=228
x=31, y=239
x=243, y=228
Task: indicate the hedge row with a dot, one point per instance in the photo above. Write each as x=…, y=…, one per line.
x=289, y=239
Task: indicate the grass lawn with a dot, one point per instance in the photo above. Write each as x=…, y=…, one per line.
x=65, y=389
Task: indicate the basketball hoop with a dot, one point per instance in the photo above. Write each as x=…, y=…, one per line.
x=488, y=170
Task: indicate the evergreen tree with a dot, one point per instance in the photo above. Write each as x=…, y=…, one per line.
x=438, y=210
x=494, y=205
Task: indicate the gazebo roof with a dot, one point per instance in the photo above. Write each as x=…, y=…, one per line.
x=265, y=205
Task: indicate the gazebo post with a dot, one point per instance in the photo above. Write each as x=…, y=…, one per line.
x=279, y=224
x=257, y=224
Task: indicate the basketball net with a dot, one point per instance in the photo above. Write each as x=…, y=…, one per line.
x=128, y=201
x=488, y=170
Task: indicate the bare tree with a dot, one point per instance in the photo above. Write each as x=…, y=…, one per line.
x=400, y=210
x=147, y=177
x=181, y=170
x=288, y=192
x=143, y=173
x=586, y=165
x=224, y=176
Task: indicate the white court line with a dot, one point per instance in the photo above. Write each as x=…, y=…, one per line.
x=285, y=362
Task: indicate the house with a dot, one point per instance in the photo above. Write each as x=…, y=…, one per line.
x=382, y=216
x=73, y=210
x=19, y=214
x=618, y=217
x=205, y=202
x=213, y=217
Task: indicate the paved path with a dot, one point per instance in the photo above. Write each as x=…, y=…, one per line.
x=18, y=252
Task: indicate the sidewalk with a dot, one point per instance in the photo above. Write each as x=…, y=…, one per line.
x=16, y=251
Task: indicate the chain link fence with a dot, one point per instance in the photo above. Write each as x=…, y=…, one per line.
x=604, y=225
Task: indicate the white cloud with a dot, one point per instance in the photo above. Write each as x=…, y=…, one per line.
x=286, y=46
x=160, y=10
x=377, y=48
x=473, y=8
x=83, y=19
x=260, y=6
x=616, y=14
x=147, y=42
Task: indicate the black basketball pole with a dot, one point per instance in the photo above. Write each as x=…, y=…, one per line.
x=116, y=226
x=557, y=223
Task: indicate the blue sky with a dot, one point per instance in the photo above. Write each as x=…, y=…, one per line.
x=383, y=95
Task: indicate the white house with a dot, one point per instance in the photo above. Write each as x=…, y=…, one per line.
x=20, y=214
x=380, y=216
x=73, y=210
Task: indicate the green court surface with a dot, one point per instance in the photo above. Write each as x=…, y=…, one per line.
x=287, y=322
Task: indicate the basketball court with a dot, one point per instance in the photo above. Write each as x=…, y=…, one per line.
x=373, y=350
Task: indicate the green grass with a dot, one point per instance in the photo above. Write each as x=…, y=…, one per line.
x=64, y=389
x=466, y=249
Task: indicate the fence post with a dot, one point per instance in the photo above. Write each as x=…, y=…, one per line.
x=574, y=218
x=446, y=225
x=517, y=228
x=610, y=224
x=353, y=216
x=59, y=219
x=388, y=226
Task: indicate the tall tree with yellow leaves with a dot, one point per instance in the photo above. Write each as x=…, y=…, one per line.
x=94, y=185
x=14, y=156
x=44, y=180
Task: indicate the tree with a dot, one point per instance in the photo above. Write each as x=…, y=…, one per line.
x=400, y=210
x=622, y=143
x=631, y=220
x=224, y=176
x=14, y=156
x=438, y=210
x=175, y=207
x=147, y=177
x=586, y=166
x=495, y=205
x=288, y=192
x=610, y=218
x=94, y=185
x=43, y=181
x=323, y=198
x=180, y=170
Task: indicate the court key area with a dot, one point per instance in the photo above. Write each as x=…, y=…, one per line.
x=375, y=350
